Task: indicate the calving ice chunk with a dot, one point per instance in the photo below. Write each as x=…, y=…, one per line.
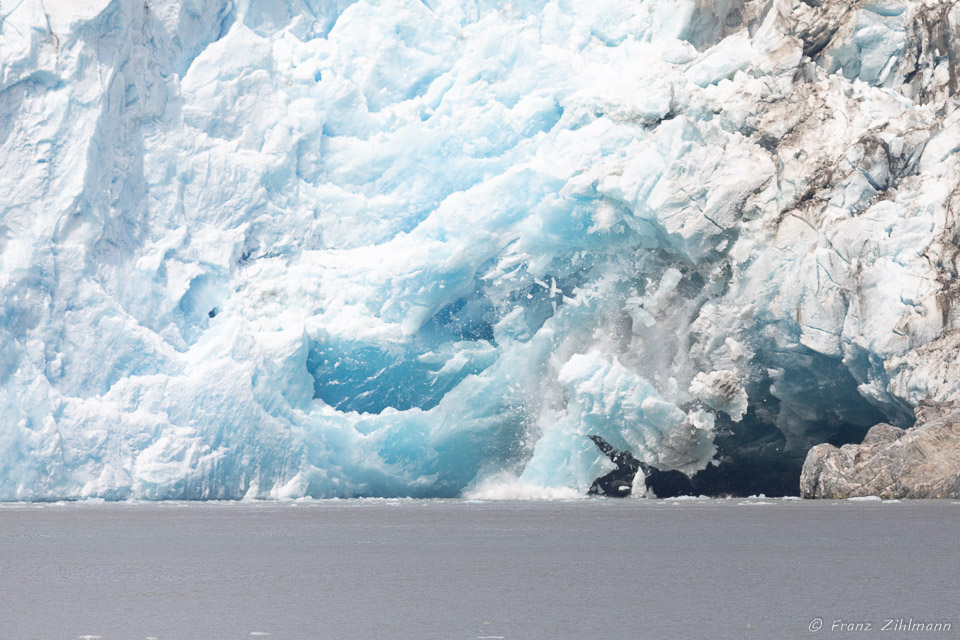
x=272, y=250
x=721, y=390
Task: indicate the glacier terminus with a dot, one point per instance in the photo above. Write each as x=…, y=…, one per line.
x=326, y=248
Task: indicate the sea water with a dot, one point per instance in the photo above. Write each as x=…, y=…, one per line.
x=372, y=569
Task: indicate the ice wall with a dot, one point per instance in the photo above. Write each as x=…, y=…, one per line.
x=334, y=248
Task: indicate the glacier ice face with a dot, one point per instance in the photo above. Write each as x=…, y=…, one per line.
x=344, y=248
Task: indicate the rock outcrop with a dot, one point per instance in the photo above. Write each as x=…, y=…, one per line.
x=920, y=462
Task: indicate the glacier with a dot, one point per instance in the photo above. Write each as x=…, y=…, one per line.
x=335, y=248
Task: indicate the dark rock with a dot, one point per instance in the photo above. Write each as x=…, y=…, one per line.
x=619, y=482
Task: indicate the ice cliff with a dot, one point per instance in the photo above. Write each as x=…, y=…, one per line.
x=252, y=248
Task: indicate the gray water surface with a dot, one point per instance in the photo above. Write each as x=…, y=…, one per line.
x=367, y=570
